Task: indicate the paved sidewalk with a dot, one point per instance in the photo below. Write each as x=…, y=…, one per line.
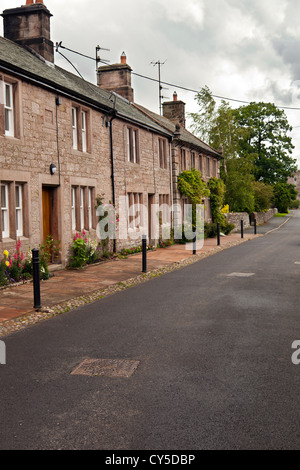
x=16, y=302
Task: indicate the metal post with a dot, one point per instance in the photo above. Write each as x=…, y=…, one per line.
x=242, y=229
x=194, y=241
x=218, y=233
x=36, y=278
x=255, y=230
x=144, y=252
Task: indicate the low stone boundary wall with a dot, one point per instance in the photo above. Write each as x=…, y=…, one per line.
x=235, y=219
x=261, y=218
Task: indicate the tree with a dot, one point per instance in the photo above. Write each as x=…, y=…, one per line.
x=191, y=185
x=266, y=137
x=216, y=126
x=263, y=196
x=284, y=194
x=239, y=182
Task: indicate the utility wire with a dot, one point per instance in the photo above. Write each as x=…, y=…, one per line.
x=171, y=84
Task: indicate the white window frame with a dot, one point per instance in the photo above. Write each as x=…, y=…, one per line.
x=81, y=208
x=9, y=110
x=74, y=128
x=84, y=140
x=73, y=207
x=128, y=144
x=19, y=210
x=90, y=193
x=134, y=145
x=5, y=211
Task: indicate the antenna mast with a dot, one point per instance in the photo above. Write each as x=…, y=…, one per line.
x=160, y=88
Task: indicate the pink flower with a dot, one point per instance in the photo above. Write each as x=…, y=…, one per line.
x=15, y=256
x=83, y=233
x=20, y=265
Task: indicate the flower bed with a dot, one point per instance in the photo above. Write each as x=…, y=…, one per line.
x=17, y=267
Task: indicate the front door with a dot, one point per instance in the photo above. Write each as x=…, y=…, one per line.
x=48, y=203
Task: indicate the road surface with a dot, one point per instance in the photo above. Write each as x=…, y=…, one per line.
x=213, y=343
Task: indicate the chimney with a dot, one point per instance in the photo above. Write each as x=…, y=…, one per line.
x=29, y=26
x=175, y=111
x=117, y=78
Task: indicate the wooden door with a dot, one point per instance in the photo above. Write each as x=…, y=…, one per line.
x=47, y=212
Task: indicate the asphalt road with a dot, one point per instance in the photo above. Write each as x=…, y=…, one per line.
x=215, y=368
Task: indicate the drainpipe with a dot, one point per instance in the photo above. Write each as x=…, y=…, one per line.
x=58, y=103
x=112, y=167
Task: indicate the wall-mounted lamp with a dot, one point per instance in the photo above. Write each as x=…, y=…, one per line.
x=52, y=169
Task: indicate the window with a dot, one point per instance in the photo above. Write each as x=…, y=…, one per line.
x=74, y=128
x=73, y=205
x=193, y=160
x=80, y=125
x=134, y=205
x=19, y=210
x=162, y=151
x=207, y=167
x=82, y=208
x=84, y=114
x=132, y=145
x=164, y=208
x=90, y=214
x=182, y=160
x=4, y=211
x=200, y=164
x=8, y=109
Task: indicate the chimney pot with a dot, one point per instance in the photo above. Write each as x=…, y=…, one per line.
x=175, y=96
x=123, y=58
x=29, y=2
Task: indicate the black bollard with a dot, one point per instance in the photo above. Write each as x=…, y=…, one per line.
x=218, y=233
x=255, y=230
x=36, y=278
x=144, y=252
x=194, y=241
x=242, y=229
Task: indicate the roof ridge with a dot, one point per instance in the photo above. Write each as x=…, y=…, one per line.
x=202, y=141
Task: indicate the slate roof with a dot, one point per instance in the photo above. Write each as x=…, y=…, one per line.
x=30, y=65
x=33, y=67
x=182, y=134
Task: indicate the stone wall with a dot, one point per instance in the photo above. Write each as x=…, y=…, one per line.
x=263, y=217
x=235, y=219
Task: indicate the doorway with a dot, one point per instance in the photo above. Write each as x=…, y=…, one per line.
x=50, y=218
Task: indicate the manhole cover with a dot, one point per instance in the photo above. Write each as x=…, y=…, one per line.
x=106, y=367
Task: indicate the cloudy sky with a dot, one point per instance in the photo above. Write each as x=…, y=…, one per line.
x=241, y=49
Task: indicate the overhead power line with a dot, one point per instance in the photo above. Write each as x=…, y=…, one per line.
x=172, y=84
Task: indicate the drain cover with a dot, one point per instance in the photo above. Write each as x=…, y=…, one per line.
x=106, y=367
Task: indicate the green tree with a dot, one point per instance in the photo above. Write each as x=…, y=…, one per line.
x=216, y=126
x=191, y=185
x=217, y=192
x=239, y=182
x=266, y=137
x=284, y=194
x=263, y=196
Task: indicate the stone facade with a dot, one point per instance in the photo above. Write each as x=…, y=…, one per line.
x=99, y=143
x=295, y=179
